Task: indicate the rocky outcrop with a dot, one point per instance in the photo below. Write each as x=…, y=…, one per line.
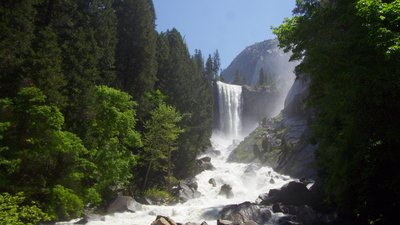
x=204, y=164
x=284, y=142
x=122, y=204
x=259, y=103
x=212, y=182
x=297, y=158
x=246, y=213
x=186, y=190
x=163, y=220
x=292, y=193
x=226, y=190
x=266, y=55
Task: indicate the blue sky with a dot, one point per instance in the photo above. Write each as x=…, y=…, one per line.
x=226, y=25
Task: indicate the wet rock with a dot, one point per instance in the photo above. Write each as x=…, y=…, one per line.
x=90, y=217
x=226, y=190
x=224, y=222
x=245, y=212
x=306, y=215
x=163, y=220
x=292, y=193
x=272, y=181
x=190, y=223
x=204, y=164
x=186, y=190
x=122, y=204
x=251, y=222
x=276, y=208
x=212, y=182
x=261, y=198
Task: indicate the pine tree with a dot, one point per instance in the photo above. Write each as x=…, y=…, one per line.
x=16, y=34
x=136, y=49
x=261, y=77
x=216, y=63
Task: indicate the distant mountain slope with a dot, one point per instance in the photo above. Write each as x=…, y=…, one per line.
x=266, y=55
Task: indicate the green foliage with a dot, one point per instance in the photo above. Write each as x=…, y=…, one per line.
x=160, y=140
x=136, y=49
x=65, y=203
x=382, y=20
x=112, y=137
x=182, y=80
x=38, y=153
x=350, y=52
x=15, y=211
x=158, y=194
x=54, y=58
x=16, y=26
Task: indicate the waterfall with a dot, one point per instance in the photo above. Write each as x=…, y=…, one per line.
x=230, y=108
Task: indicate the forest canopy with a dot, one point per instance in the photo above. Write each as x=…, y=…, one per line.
x=87, y=89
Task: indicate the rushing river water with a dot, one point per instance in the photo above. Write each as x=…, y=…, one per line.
x=247, y=180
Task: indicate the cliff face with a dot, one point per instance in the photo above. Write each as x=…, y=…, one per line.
x=297, y=158
x=284, y=142
x=258, y=104
x=266, y=55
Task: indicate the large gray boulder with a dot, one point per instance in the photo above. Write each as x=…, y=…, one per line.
x=122, y=204
x=226, y=190
x=186, y=190
x=204, y=164
x=245, y=213
x=163, y=220
x=292, y=193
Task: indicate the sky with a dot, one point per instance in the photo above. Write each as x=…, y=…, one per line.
x=227, y=25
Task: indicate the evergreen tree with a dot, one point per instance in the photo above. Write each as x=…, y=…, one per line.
x=136, y=49
x=216, y=62
x=182, y=80
x=261, y=77
x=209, y=70
x=16, y=34
x=160, y=140
x=238, y=78
x=104, y=21
x=45, y=66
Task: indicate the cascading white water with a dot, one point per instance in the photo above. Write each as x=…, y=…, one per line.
x=230, y=109
x=247, y=180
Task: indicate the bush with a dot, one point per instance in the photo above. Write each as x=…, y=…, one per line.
x=14, y=211
x=65, y=203
x=158, y=195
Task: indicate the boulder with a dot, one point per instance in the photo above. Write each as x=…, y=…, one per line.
x=250, y=222
x=245, y=212
x=272, y=181
x=204, y=223
x=226, y=190
x=90, y=217
x=163, y=220
x=292, y=193
x=122, y=204
x=186, y=190
x=204, y=164
x=212, y=182
x=224, y=222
